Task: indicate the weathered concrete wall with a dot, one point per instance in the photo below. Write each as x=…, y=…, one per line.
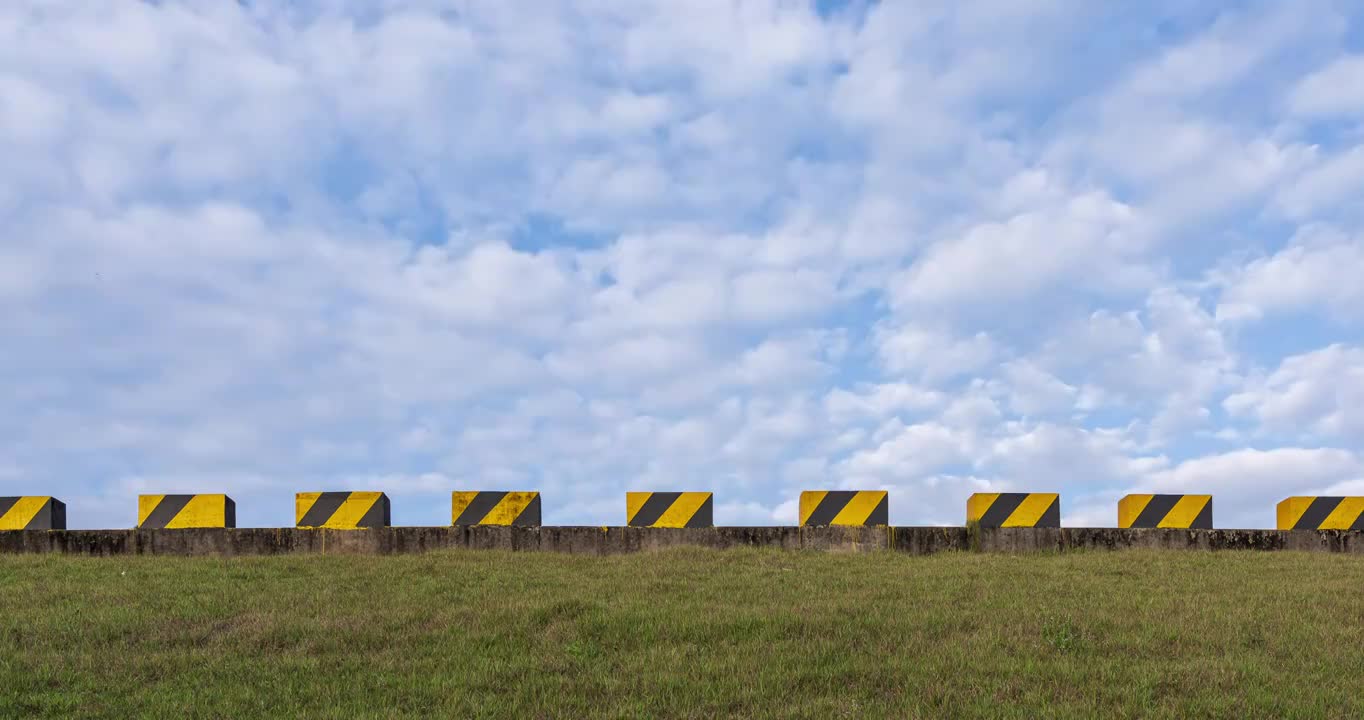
x=609, y=540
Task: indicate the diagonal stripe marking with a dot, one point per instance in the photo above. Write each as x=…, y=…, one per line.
x=1000, y=510
x=1204, y=519
x=1036, y=510
x=704, y=515
x=1155, y=511
x=809, y=501
x=354, y=511
x=1345, y=514
x=322, y=509
x=653, y=508
x=833, y=503
x=681, y=512
x=1185, y=512
x=529, y=517
x=880, y=515
x=478, y=508
x=377, y=515
x=202, y=511
x=23, y=515
x=165, y=511
x=1130, y=507
x=510, y=508
x=1316, y=513
x=859, y=509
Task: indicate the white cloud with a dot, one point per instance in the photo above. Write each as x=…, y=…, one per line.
x=932, y=353
x=1319, y=268
x=1318, y=394
x=1034, y=391
x=1336, y=89
x=879, y=401
x=1083, y=241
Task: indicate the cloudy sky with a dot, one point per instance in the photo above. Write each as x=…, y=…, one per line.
x=750, y=247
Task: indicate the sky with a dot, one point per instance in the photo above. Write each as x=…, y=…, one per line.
x=754, y=248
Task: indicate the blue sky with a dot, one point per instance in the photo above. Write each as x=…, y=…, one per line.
x=750, y=247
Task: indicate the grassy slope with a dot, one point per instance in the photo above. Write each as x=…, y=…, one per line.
x=688, y=633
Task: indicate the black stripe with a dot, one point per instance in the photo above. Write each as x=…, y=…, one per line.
x=1359, y=522
x=653, y=508
x=1001, y=509
x=229, y=512
x=6, y=503
x=43, y=519
x=1051, y=518
x=704, y=515
x=321, y=511
x=1317, y=513
x=377, y=515
x=833, y=503
x=1155, y=511
x=478, y=508
x=1204, y=519
x=880, y=515
x=530, y=517
x=165, y=511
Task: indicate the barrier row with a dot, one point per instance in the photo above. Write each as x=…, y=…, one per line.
x=355, y=510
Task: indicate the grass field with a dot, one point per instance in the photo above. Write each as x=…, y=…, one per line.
x=686, y=633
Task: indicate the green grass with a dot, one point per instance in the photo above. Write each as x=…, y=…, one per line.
x=685, y=633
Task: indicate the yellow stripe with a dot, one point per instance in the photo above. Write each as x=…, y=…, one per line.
x=459, y=502
x=859, y=508
x=809, y=500
x=303, y=502
x=681, y=511
x=1130, y=507
x=350, y=513
x=21, y=513
x=1290, y=510
x=202, y=511
x=1183, y=514
x=145, y=505
x=633, y=502
x=508, y=509
x=1030, y=510
x=1344, y=515
x=978, y=504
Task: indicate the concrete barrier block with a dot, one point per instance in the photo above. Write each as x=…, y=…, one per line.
x=1321, y=513
x=32, y=512
x=1165, y=511
x=1014, y=510
x=518, y=509
x=182, y=512
x=341, y=510
x=669, y=509
x=844, y=507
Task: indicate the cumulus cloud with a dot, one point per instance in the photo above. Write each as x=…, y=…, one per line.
x=1314, y=395
x=1317, y=270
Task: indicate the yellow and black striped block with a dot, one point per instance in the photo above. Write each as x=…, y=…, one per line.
x=172, y=512
x=1165, y=511
x=1010, y=510
x=844, y=507
x=341, y=510
x=32, y=513
x=519, y=509
x=669, y=509
x=1321, y=513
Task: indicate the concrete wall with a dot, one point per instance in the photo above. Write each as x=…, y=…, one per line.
x=609, y=540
